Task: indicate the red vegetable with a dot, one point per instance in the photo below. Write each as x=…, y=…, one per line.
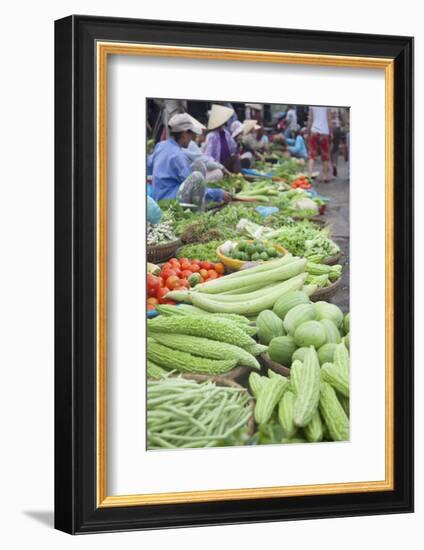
x=162, y=292
x=172, y=282
x=165, y=273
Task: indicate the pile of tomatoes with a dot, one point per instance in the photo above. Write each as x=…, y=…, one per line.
x=175, y=274
x=302, y=183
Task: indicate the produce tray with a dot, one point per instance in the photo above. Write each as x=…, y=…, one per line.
x=327, y=292
x=235, y=265
x=161, y=252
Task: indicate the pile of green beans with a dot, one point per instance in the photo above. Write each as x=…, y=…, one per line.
x=185, y=413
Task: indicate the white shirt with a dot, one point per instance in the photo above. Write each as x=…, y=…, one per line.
x=291, y=118
x=320, y=120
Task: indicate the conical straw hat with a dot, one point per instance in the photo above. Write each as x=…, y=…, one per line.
x=196, y=122
x=218, y=116
x=249, y=125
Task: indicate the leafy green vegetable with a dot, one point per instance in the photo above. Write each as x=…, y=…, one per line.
x=304, y=239
x=205, y=251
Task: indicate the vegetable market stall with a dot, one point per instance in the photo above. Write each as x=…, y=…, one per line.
x=244, y=291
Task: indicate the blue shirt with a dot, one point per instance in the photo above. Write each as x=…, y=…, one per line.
x=169, y=167
x=297, y=147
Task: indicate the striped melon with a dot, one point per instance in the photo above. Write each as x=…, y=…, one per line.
x=288, y=301
x=298, y=315
x=310, y=333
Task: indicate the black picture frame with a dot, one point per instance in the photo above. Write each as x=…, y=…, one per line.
x=76, y=510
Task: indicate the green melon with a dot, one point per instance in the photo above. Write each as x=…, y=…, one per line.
x=331, y=331
x=299, y=354
x=325, y=310
x=310, y=333
x=269, y=326
x=281, y=349
x=346, y=323
x=298, y=315
x=288, y=301
x=326, y=353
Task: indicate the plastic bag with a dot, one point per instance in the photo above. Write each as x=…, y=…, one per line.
x=154, y=213
x=265, y=211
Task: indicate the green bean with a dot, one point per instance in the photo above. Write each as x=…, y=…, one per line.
x=160, y=441
x=189, y=418
x=185, y=413
x=189, y=437
x=218, y=413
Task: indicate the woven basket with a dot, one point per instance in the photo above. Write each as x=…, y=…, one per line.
x=332, y=260
x=161, y=252
x=327, y=292
x=234, y=375
x=314, y=219
x=268, y=363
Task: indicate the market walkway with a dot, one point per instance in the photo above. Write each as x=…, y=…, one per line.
x=337, y=216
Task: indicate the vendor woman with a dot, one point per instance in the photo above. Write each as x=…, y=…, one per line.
x=220, y=145
x=172, y=174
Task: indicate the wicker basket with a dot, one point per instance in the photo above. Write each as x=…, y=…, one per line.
x=332, y=260
x=313, y=219
x=327, y=292
x=234, y=375
x=268, y=363
x=161, y=252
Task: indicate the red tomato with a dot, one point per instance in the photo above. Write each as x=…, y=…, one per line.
x=186, y=273
x=185, y=265
x=184, y=260
x=205, y=265
x=151, y=307
x=203, y=273
x=152, y=284
x=183, y=283
x=212, y=274
x=195, y=262
x=177, y=271
x=170, y=302
x=219, y=268
x=162, y=292
x=194, y=268
x=152, y=301
x=166, y=265
x=151, y=292
x=172, y=282
x=167, y=273
x=174, y=261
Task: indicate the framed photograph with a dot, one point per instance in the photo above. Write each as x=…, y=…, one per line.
x=234, y=274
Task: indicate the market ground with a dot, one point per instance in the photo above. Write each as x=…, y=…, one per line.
x=337, y=216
